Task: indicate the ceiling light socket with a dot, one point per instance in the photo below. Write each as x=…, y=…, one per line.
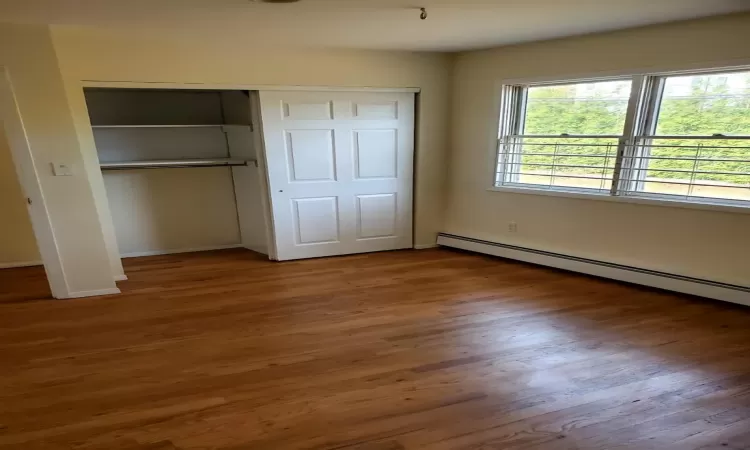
x=423, y=13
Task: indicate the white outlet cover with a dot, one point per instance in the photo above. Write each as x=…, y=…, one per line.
x=62, y=169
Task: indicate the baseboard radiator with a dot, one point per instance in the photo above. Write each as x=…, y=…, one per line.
x=677, y=283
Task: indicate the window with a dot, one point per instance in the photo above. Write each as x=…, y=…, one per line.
x=683, y=137
x=565, y=135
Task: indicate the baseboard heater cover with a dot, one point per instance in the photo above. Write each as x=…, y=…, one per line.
x=662, y=280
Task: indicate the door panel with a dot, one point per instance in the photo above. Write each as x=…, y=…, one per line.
x=300, y=110
x=376, y=153
x=310, y=154
x=316, y=220
x=376, y=215
x=376, y=110
x=340, y=170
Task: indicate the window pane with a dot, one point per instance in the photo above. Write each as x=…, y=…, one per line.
x=583, y=108
x=697, y=168
x=703, y=105
x=583, y=163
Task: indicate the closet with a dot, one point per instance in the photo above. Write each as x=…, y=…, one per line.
x=180, y=169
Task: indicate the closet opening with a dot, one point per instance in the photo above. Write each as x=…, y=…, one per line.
x=180, y=167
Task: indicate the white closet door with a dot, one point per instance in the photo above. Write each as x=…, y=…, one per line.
x=340, y=169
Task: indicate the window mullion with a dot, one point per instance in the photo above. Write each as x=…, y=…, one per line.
x=512, y=107
x=652, y=107
x=517, y=118
x=501, y=147
x=642, y=151
x=522, y=96
x=635, y=118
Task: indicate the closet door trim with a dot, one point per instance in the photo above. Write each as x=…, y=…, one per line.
x=240, y=87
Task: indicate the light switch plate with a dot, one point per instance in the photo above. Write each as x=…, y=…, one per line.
x=62, y=169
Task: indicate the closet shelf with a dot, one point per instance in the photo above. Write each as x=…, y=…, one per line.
x=176, y=163
x=171, y=126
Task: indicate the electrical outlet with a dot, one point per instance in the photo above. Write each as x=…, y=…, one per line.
x=512, y=227
x=62, y=169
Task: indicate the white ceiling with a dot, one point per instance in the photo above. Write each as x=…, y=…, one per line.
x=375, y=24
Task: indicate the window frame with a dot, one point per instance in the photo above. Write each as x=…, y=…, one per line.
x=517, y=93
x=641, y=122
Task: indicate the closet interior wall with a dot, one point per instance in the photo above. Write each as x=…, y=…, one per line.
x=179, y=209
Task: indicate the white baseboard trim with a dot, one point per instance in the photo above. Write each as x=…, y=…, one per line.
x=93, y=293
x=425, y=246
x=179, y=250
x=661, y=280
x=12, y=265
x=121, y=278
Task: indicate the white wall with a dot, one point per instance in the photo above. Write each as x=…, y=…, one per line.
x=63, y=212
x=166, y=210
x=101, y=55
x=712, y=245
x=17, y=241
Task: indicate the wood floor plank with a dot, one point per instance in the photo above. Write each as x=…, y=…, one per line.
x=432, y=349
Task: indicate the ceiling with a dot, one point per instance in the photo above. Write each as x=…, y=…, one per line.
x=375, y=24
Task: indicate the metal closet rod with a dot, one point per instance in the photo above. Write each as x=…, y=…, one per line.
x=175, y=163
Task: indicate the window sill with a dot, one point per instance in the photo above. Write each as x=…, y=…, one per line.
x=629, y=199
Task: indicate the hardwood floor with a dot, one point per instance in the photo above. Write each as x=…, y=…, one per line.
x=429, y=349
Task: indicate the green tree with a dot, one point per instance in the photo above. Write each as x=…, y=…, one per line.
x=709, y=105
